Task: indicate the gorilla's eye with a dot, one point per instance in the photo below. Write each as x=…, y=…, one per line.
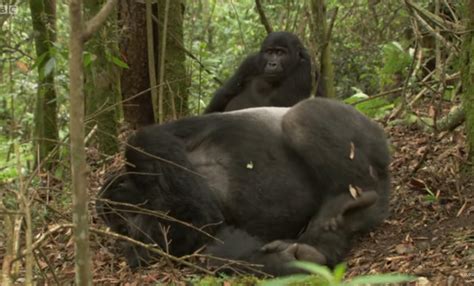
x=280, y=52
x=269, y=51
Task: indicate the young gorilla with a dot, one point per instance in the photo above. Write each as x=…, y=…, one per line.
x=278, y=75
x=287, y=184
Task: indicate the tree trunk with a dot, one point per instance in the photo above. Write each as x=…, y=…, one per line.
x=175, y=85
x=102, y=81
x=78, y=155
x=43, y=14
x=79, y=33
x=138, y=110
x=322, y=39
x=467, y=73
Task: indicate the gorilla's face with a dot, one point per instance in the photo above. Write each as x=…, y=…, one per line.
x=279, y=54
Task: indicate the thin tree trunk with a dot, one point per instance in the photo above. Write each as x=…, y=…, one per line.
x=102, y=83
x=43, y=14
x=79, y=34
x=175, y=85
x=78, y=156
x=321, y=36
x=151, y=58
x=135, y=81
x=467, y=73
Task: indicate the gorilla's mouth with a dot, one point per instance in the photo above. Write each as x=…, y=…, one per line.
x=273, y=76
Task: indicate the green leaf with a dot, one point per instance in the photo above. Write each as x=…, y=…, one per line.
x=87, y=59
x=313, y=268
x=49, y=66
x=380, y=279
x=299, y=278
x=119, y=62
x=338, y=272
x=39, y=60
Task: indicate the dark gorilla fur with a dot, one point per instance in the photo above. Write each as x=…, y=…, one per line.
x=278, y=75
x=277, y=180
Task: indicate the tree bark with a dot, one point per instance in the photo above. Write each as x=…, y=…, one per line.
x=321, y=36
x=43, y=14
x=102, y=81
x=175, y=85
x=138, y=109
x=467, y=75
x=79, y=33
x=78, y=156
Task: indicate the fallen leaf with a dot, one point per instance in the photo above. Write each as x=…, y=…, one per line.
x=352, y=153
x=354, y=192
x=372, y=172
x=404, y=248
x=249, y=165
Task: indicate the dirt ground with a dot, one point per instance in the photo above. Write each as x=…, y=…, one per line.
x=430, y=233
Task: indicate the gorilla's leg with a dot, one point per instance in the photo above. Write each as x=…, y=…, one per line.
x=338, y=210
x=326, y=238
x=271, y=258
x=338, y=220
x=341, y=148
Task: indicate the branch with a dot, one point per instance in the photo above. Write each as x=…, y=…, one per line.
x=331, y=26
x=94, y=24
x=162, y=57
x=452, y=120
x=263, y=18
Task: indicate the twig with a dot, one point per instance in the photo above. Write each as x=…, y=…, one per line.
x=138, y=210
x=381, y=94
x=331, y=25
x=191, y=55
x=162, y=63
x=96, y=22
x=263, y=18
x=151, y=57
x=50, y=266
x=239, y=24
x=414, y=12
x=164, y=160
x=151, y=248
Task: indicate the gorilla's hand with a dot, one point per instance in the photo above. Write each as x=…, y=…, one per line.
x=286, y=251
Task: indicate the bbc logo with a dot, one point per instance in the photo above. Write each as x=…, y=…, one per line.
x=7, y=9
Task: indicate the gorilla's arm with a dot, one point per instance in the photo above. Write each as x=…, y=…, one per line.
x=272, y=258
x=247, y=70
x=320, y=91
x=297, y=84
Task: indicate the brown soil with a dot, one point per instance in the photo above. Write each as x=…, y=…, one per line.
x=430, y=233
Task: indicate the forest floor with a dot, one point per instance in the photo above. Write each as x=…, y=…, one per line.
x=430, y=233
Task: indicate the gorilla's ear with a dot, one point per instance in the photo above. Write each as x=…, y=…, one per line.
x=303, y=54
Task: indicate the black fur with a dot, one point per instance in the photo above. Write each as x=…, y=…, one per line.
x=278, y=180
x=278, y=75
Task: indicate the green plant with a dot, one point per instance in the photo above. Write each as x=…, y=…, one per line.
x=372, y=107
x=396, y=61
x=322, y=275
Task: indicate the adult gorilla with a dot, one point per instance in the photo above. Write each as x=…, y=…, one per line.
x=286, y=184
x=278, y=75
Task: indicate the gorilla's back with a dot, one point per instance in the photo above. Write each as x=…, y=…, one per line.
x=247, y=177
